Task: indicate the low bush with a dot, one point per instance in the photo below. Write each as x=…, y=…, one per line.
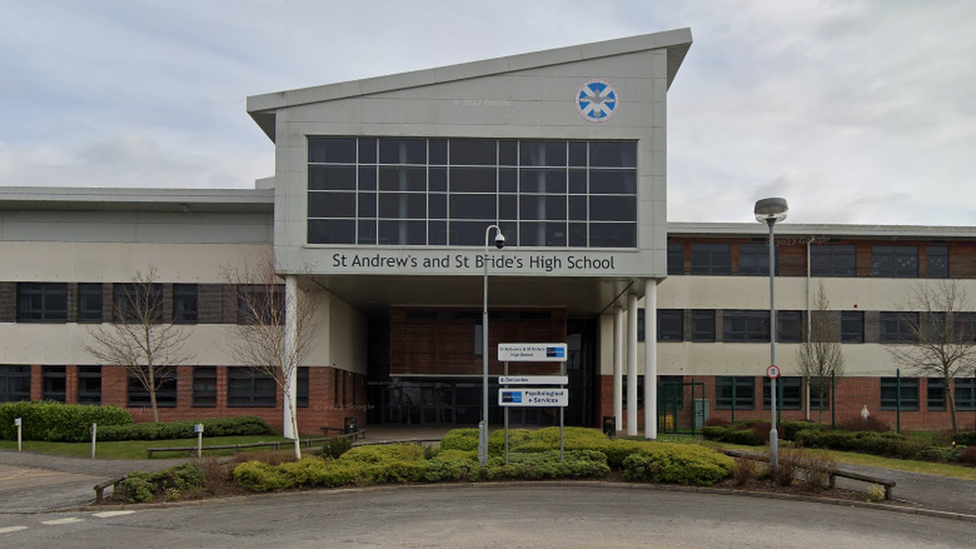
x=681, y=464
x=965, y=439
x=384, y=453
x=213, y=427
x=968, y=456
x=460, y=439
x=789, y=429
x=260, y=477
x=746, y=470
x=866, y=442
x=858, y=424
x=516, y=439
x=939, y=454
x=57, y=422
x=746, y=437
x=815, y=469
x=547, y=465
x=171, y=483
x=335, y=447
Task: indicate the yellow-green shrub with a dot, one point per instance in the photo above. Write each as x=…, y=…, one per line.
x=384, y=453
x=678, y=463
x=460, y=439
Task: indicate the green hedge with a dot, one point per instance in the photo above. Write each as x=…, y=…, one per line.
x=745, y=437
x=678, y=463
x=57, y=422
x=384, y=453
x=213, y=427
x=460, y=439
x=965, y=439
x=865, y=442
x=546, y=465
x=141, y=487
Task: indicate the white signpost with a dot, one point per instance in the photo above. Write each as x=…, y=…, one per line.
x=534, y=397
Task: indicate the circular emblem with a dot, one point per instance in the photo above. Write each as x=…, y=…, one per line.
x=773, y=371
x=596, y=100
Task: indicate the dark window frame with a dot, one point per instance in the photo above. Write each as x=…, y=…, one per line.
x=700, y=318
x=759, y=252
x=126, y=295
x=670, y=325
x=894, y=261
x=711, y=258
x=86, y=394
x=301, y=386
x=789, y=391
x=205, y=387
x=744, y=392
x=852, y=327
x=937, y=261
x=889, y=394
x=676, y=258
x=49, y=297
x=789, y=326
x=250, y=388
x=15, y=383
x=91, y=302
x=965, y=393
x=167, y=394
x=935, y=394
x=833, y=260
x=186, y=303
x=55, y=383
x=896, y=327
x=745, y=326
x=258, y=299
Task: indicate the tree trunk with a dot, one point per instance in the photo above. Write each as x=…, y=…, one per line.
x=152, y=393
x=952, y=404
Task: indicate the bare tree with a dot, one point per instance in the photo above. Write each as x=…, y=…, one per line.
x=942, y=335
x=820, y=356
x=258, y=338
x=139, y=338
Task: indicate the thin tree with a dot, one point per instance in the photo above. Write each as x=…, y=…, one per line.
x=820, y=357
x=258, y=338
x=942, y=335
x=140, y=338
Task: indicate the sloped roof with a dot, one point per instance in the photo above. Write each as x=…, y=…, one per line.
x=263, y=108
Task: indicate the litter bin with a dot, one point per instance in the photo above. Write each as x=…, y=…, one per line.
x=610, y=426
x=350, y=426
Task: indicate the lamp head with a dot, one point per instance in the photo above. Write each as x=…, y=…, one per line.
x=499, y=240
x=771, y=210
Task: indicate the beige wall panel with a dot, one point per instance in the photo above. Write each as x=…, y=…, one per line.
x=347, y=337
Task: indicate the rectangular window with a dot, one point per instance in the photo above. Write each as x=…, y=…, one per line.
x=90, y=385
x=737, y=390
x=204, y=386
x=852, y=327
x=90, y=303
x=640, y=392
x=703, y=325
x=894, y=261
x=260, y=304
x=749, y=326
x=833, y=260
x=789, y=393
x=676, y=258
x=670, y=325
x=15, y=382
x=301, y=388
x=55, y=383
x=137, y=302
x=937, y=261
x=711, y=258
x=898, y=327
x=935, y=393
x=909, y=393
x=965, y=393
x=820, y=387
x=165, y=378
x=754, y=260
x=790, y=328
x=42, y=302
x=249, y=387
x=185, y=303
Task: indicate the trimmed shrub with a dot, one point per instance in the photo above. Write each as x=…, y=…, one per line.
x=516, y=438
x=460, y=439
x=789, y=429
x=965, y=439
x=449, y=455
x=746, y=470
x=676, y=463
x=857, y=424
x=866, y=442
x=546, y=465
x=171, y=483
x=335, y=447
x=57, y=422
x=745, y=437
x=213, y=427
x=940, y=454
x=968, y=456
x=260, y=477
x=385, y=453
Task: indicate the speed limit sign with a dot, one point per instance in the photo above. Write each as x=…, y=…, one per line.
x=773, y=371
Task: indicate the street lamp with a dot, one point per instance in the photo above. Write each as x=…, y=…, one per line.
x=483, y=427
x=769, y=211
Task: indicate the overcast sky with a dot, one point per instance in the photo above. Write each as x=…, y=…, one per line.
x=855, y=111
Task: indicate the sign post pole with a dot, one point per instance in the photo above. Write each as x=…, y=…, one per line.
x=19, y=422
x=506, y=418
x=562, y=412
x=199, y=430
x=94, y=431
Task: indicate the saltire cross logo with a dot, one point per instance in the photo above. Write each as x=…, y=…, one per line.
x=596, y=100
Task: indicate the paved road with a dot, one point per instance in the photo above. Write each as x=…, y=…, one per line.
x=922, y=491
x=491, y=516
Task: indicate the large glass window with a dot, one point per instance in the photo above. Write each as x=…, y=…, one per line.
x=833, y=260
x=852, y=327
x=737, y=391
x=15, y=382
x=935, y=394
x=204, y=386
x=890, y=394
x=750, y=326
x=90, y=301
x=895, y=261
x=676, y=258
x=250, y=387
x=703, y=325
x=166, y=393
x=670, y=325
x=754, y=259
x=937, y=261
x=790, y=326
x=965, y=393
x=42, y=302
x=90, y=385
x=709, y=258
x=185, y=303
x=789, y=393
x=132, y=304
x=446, y=191
x=898, y=327
x=55, y=383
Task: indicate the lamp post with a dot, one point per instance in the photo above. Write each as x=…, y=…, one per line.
x=769, y=211
x=483, y=427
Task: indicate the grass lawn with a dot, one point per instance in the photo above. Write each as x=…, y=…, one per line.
x=136, y=449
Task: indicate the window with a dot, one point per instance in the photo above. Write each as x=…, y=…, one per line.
x=852, y=327
x=909, y=393
x=165, y=377
x=55, y=383
x=676, y=258
x=898, y=327
x=90, y=385
x=935, y=393
x=703, y=325
x=895, y=261
x=965, y=394
x=136, y=302
x=964, y=327
x=184, y=303
x=670, y=325
x=250, y=387
x=819, y=386
x=42, y=302
x=937, y=261
x=711, y=259
x=90, y=303
x=749, y=326
x=789, y=393
x=754, y=259
x=15, y=382
x=640, y=391
x=833, y=260
x=260, y=304
x=204, y=386
x=737, y=391
x=790, y=326
x=301, y=388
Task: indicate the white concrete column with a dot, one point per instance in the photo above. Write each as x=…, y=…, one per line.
x=618, y=367
x=290, y=390
x=632, y=365
x=650, y=359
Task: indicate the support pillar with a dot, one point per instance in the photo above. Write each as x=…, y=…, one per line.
x=618, y=367
x=650, y=359
x=290, y=390
x=631, y=365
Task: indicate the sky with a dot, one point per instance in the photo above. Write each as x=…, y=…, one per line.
x=855, y=111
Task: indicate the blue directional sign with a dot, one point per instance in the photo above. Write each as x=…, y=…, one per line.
x=597, y=100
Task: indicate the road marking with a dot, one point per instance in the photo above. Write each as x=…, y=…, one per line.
x=109, y=514
x=10, y=529
x=56, y=522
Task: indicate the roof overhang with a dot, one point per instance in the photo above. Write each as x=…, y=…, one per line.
x=107, y=199
x=814, y=230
